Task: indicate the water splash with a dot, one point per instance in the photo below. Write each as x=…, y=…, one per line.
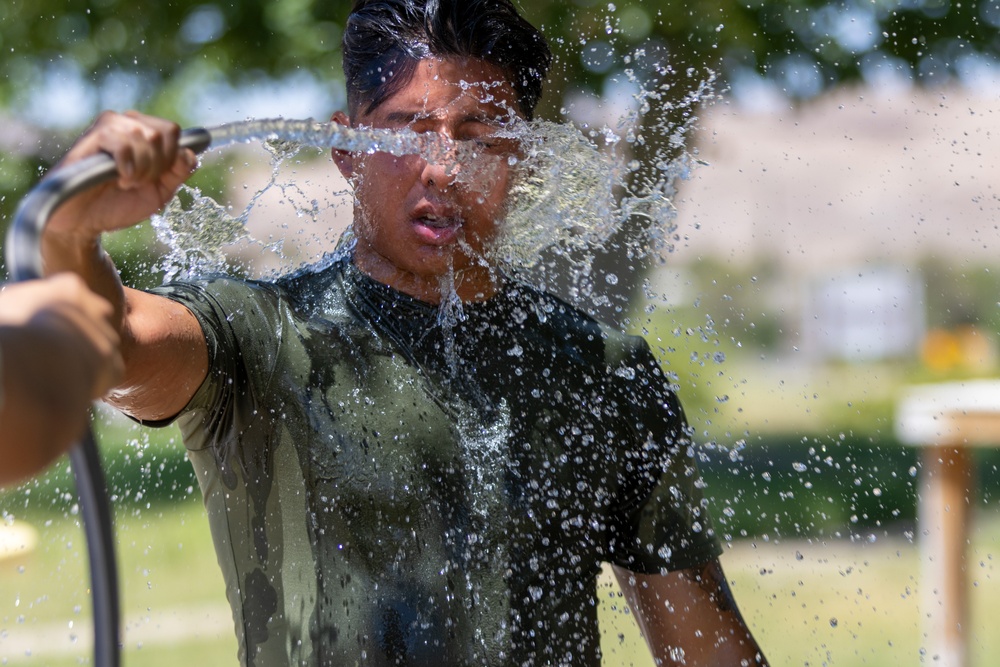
x=294, y=133
x=571, y=191
x=563, y=193
x=202, y=234
x=197, y=230
x=484, y=451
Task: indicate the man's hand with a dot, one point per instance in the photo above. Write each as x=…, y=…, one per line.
x=58, y=351
x=689, y=618
x=150, y=166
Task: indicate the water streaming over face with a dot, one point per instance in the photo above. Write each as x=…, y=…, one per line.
x=571, y=191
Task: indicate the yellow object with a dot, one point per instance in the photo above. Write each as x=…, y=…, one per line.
x=942, y=350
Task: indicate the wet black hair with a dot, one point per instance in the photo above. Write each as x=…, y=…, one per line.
x=385, y=39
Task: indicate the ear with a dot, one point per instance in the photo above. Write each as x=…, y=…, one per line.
x=343, y=159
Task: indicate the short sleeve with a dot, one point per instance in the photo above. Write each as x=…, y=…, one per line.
x=661, y=521
x=241, y=328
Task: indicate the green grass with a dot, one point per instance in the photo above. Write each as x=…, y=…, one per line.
x=810, y=600
x=809, y=603
x=173, y=598
x=840, y=603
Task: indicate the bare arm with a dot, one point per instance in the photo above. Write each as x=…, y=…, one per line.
x=58, y=352
x=689, y=618
x=161, y=342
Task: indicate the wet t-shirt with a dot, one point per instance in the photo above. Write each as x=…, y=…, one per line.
x=390, y=483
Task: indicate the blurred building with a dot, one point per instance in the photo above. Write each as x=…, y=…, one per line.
x=842, y=198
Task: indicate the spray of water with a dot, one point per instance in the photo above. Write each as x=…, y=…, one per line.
x=572, y=191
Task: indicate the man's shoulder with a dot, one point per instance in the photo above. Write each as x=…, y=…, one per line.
x=297, y=295
x=574, y=325
x=314, y=284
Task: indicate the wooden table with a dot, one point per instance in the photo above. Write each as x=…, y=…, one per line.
x=946, y=421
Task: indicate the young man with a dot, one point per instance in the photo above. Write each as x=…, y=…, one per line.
x=387, y=486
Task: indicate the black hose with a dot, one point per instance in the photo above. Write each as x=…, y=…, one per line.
x=24, y=262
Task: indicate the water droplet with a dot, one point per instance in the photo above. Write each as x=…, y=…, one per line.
x=626, y=372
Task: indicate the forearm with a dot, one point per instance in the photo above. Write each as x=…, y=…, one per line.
x=161, y=344
x=150, y=167
x=83, y=255
x=690, y=618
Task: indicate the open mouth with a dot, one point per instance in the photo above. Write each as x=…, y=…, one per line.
x=439, y=222
x=437, y=230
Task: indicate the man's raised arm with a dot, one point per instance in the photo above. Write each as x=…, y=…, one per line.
x=163, y=346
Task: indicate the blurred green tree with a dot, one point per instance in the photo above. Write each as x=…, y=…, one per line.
x=804, y=46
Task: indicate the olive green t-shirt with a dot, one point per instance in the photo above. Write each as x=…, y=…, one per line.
x=391, y=484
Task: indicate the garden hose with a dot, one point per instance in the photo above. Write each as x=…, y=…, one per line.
x=24, y=262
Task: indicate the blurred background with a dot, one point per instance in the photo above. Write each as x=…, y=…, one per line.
x=832, y=246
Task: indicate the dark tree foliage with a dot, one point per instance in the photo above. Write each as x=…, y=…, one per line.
x=836, y=41
x=157, y=41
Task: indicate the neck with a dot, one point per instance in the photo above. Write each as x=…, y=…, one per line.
x=469, y=284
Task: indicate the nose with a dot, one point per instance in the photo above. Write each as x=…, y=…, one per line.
x=440, y=174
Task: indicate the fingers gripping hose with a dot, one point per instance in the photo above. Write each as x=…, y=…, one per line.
x=24, y=262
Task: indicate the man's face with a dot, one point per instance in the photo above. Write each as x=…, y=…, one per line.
x=415, y=221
